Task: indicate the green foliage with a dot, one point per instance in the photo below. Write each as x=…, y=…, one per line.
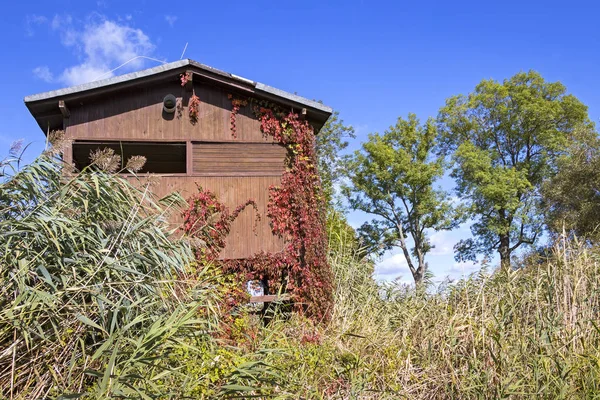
x=527, y=333
x=96, y=309
x=96, y=296
x=571, y=200
x=505, y=138
x=393, y=178
x=296, y=213
x=330, y=141
x=99, y=300
x=340, y=233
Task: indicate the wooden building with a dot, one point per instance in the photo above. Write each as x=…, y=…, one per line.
x=132, y=114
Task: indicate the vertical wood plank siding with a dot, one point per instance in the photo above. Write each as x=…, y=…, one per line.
x=242, y=241
x=245, y=170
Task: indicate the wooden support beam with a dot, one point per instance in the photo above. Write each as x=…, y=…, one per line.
x=63, y=109
x=269, y=298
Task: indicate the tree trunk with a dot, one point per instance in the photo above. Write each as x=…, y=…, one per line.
x=418, y=275
x=504, y=251
x=422, y=267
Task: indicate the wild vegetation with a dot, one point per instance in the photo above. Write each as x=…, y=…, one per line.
x=505, y=139
x=97, y=299
x=392, y=178
x=101, y=298
x=512, y=148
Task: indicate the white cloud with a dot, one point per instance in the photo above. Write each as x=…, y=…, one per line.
x=43, y=73
x=61, y=21
x=392, y=265
x=84, y=73
x=443, y=243
x=171, y=19
x=101, y=45
x=395, y=262
x=32, y=21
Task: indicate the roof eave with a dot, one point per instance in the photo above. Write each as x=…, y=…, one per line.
x=37, y=102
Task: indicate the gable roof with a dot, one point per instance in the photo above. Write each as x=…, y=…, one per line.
x=44, y=106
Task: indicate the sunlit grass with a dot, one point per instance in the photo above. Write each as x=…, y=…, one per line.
x=531, y=332
x=99, y=300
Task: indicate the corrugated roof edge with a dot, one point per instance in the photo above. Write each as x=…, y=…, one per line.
x=106, y=82
x=293, y=97
x=167, y=67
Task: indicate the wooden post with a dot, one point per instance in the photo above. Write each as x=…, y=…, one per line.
x=189, y=155
x=67, y=154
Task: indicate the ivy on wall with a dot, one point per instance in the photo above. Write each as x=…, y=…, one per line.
x=295, y=211
x=194, y=102
x=208, y=220
x=236, y=104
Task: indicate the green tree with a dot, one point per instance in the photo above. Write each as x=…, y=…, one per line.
x=331, y=140
x=392, y=177
x=505, y=138
x=571, y=197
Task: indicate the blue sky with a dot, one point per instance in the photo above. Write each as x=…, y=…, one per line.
x=372, y=61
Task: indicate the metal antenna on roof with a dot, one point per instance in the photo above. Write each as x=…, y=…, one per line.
x=127, y=62
x=184, y=49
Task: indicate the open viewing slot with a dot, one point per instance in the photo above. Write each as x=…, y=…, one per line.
x=161, y=157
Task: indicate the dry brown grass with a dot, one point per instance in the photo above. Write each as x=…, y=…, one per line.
x=528, y=333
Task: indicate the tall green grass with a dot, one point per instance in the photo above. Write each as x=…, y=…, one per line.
x=98, y=299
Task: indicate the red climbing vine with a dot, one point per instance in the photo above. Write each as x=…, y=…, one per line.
x=184, y=78
x=295, y=211
x=194, y=103
x=209, y=221
x=236, y=104
x=193, y=107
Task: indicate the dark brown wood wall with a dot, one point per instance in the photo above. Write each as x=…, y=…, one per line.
x=235, y=169
x=136, y=114
x=238, y=158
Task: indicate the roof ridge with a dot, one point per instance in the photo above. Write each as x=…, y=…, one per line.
x=115, y=80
